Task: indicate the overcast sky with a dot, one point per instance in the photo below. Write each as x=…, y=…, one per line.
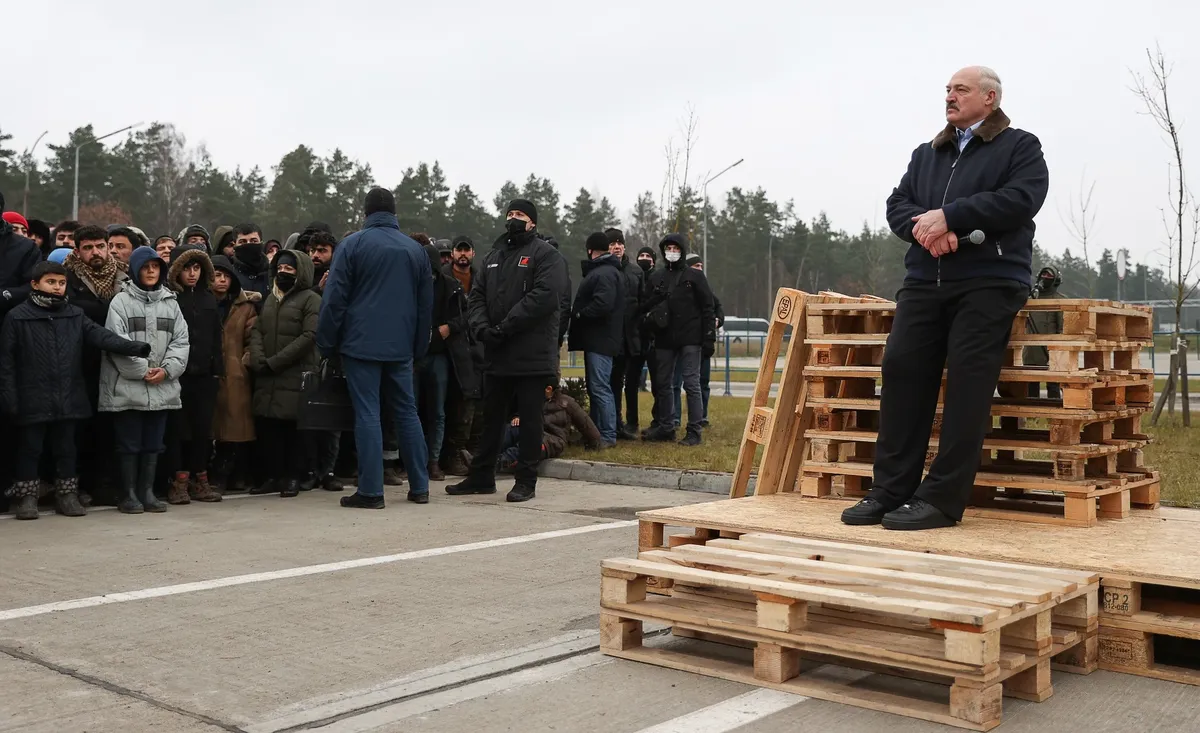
x=824, y=105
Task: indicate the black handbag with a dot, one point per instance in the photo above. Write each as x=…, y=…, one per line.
x=325, y=403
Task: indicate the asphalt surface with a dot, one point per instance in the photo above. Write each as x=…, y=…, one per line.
x=262, y=615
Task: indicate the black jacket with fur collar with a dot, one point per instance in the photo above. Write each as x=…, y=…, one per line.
x=996, y=185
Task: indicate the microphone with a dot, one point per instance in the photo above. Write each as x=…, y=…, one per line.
x=977, y=237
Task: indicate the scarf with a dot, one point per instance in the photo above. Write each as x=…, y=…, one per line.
x=48, y=301
x=102, y=282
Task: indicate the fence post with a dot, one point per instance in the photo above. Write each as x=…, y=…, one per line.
x=728, y=393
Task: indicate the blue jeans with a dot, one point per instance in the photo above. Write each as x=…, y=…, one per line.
x=602, y=406
x=705, y=376
x=433, y=378
x=366, y=380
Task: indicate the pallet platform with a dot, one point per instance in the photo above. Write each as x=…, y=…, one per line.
x=983, y=629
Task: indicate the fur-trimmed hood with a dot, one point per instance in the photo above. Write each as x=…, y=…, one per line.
x=994, y=124
x=181, y=257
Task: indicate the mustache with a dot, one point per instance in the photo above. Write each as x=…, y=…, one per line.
x=952, y=106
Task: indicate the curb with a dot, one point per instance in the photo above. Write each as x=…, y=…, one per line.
x=709, y=482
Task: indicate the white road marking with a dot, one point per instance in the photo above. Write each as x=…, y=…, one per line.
x=427, y=680
x=730, y=714
x=299, y=572
x=389, y=715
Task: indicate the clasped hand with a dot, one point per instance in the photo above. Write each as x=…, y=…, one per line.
x=930, y=231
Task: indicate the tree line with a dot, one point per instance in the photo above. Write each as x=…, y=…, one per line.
x=159, y=182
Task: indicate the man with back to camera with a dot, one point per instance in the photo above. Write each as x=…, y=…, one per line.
x=966, y=205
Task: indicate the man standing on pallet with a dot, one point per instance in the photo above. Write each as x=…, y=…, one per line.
x=966, y=205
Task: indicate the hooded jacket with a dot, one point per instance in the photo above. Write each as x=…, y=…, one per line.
x=152, y=316
x=450, y=309
x=996, y=185
x=233, y=418
x=42, y=378
x=520, y=290
x=200, y=311
x=635, y=283
x=598, y=316
x=688, y=299
x=253, y=269
x=378, y=300
x=283, y=344
x=560, y=414
x=214, y=245
x=18, y=256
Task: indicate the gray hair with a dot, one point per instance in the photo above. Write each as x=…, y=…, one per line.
x=989, y=81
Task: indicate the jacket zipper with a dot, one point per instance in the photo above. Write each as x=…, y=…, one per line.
x=945, y=195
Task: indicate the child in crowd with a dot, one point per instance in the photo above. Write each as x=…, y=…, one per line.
x=283, y=346
x=42, y=389
x=190, y=429
x=233, y=421
x=141, y=391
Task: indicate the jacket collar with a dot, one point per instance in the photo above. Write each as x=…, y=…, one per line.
x=994, y=124
x=381, y=219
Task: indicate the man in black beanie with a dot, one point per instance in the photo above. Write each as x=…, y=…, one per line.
x=627, y=365
x=514, y=310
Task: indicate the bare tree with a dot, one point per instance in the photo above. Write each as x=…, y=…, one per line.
x=1182, y=220
x=1080, y=220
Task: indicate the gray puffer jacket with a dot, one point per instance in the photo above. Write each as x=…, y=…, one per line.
x=152, y=316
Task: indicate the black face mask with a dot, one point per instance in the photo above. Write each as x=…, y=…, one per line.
x=647, y=265
x=249, y=253
x=285, y=281
x=516, y=228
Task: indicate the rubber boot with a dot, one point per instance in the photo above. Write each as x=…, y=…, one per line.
x=178, y=493
x=66, y=498
x=147, y=463
x=129, y=503
x=25, y=499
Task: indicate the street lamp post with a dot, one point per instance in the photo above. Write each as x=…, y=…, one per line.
x=75, y=201
x=710, y=180
x=28, y=165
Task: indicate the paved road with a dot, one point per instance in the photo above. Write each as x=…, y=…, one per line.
x=263, y=615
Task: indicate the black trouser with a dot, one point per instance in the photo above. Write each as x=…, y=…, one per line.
x=190, y=430
x=465, y=416
x=1053, y=390
x=56, y=438
x=500, y=395
x=286, y=451
x=627, y=374
x=963, y=326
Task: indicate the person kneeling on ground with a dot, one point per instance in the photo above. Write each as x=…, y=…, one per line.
x=42, y=388
x=560, y=414
x=143, y=390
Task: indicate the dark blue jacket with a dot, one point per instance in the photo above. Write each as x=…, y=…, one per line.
x=996, y=185
x=598, y=316
x=378, y=301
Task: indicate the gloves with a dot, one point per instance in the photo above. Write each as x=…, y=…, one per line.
x=708, y=348
x=143, y=349
x=493, y=336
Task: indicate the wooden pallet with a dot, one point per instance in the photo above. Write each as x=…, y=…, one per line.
x=1150, y=629
x=984, y=629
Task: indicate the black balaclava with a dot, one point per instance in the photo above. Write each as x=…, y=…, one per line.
x=653, y=259
x=285, y=281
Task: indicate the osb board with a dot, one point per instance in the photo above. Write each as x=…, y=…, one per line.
x=1151, y=547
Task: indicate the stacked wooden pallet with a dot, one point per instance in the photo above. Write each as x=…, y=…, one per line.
x=1071, y=460
x=1151, y=629
x=981, y=629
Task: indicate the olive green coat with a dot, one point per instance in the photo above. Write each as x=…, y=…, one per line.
x=283, y=344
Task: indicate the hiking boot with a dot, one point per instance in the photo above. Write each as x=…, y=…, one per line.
x=331, y=483
x=358, y=501
x=392, y=476
x=178, y=493
x=419, y=498
x=129, y=503
x=464, y=488
x=520, y=492
x=267, y=487
x=456, y=466
x=66, y=498
x=201, y=490
x=435, y=472
x=660, y=434
x=290, y=489
x=25, y=495
x=147, y=463
x=627, y=433
x=690, y=440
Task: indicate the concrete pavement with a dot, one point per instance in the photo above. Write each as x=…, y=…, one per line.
x=265, y=615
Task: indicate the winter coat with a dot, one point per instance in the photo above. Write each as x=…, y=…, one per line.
x=598, y=316
x=283, y=344
x=520, y=290
x=450, y=309
x=81, y=294
x=152, y=316
x=41, y=362
x=688, y=299
x=200, y=311
x=996, y=185
x=378, y=299
x=255, y=275
x=1044, y=322
x=635, y=283
x=560, y=414
x=18, y=256
x=233, y=420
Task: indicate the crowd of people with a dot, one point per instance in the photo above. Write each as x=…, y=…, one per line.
x=135, y=370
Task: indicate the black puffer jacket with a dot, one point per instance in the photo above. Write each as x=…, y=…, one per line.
x=598, y=318
x=18, y=256
x=41, y=362
x=201, y=311
x=635, y=283
x=450, y=310
x=688, y=298
x=520, y=289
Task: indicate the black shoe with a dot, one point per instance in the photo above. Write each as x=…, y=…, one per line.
x=290, y=489
x=691, y=439
x=520, y=492
x=704, y=423
x=463, y=488
x=309, y=482
x=268, y=487
x=660, y=434
x=627, y=433
x=917, y=514
x=418, y=498
x=331, y=483
x=358, y=501
x=867, y=511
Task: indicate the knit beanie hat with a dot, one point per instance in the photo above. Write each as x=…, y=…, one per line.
x=524, y=206
x=648, y=251
x=191, y=231
x=13, y=217
x=597, y=242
